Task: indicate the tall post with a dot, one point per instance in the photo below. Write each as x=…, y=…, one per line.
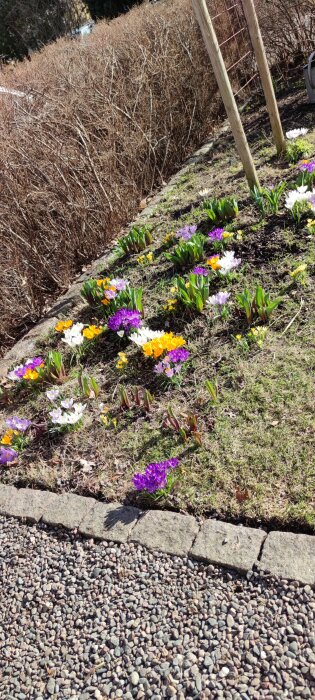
x=265, y=76
x=222, y=78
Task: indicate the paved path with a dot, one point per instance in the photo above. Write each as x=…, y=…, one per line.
x=88, y=620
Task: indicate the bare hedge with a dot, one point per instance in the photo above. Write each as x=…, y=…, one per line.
x=110, y=118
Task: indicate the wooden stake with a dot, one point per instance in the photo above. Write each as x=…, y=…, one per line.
x=265, y=76
x=219, y=69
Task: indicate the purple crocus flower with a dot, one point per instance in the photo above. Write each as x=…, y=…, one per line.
x=124, y=319
x=308, y=167
x=7, y=455
x=216, y=234
x=178, y=355
x=16, y=423
x=155, y=476
x=119, y=283
x=219, y=299
x=35, y=362
x=200, y=271
x=110, y=294
x=186, y=232
x=172, y=362
x=30, y=364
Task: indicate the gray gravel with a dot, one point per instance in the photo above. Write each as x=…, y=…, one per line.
x=91, y=620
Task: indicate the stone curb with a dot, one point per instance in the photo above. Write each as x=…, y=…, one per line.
x=283, y=554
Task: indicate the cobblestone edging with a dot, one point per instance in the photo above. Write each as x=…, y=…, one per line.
x=283, y=554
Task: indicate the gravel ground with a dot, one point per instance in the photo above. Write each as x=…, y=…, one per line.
x=93, y=620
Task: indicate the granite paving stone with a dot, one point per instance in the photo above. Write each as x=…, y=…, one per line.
x=166, y=531
x=228, y=545
x=109, y=521
x=67, y=510
x=290, y=555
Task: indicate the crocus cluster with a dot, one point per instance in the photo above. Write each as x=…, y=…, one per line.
x=172, y=363
x=296, y=133
x=75, y=334
x=301, y=194
x=29, y=371
x=163, y=344
x=15, y=427
x=124, y=320
x=224, y=264
x=111, y=287
x=62, y=326
x=92, y=332
x=155, y=476
x=143, y=335
x=186, y=233
x=68, y=413
x=145, y=259
x=19, y=424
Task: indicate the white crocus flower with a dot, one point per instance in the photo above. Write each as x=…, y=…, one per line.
x=76, y=415
x=67, y=403
x=52, y=394
x=295, y=133
x=228, y=262
x=301, y=194
x=143, y=335
x=56, y=416
x=12, y=375
x=73, y=336
x=60, y=417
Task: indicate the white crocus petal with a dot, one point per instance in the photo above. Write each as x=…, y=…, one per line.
x=295, y=133
x=52, y=394
x=219, y=299
x=143, y=335
x=67, y=403
x=56, y=415
x=121, y=333
x=301, y=194
x=73, y=336
x=12, y=375
x=228, y=262
x=77, y=414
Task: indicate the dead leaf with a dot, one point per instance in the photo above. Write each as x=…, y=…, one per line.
x=241, y=496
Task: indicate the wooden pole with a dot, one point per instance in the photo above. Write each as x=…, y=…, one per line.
x=218, y=65
x=265, y=76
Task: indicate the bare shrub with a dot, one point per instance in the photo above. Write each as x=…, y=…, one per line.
x=288, y=28
x=110, y=118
